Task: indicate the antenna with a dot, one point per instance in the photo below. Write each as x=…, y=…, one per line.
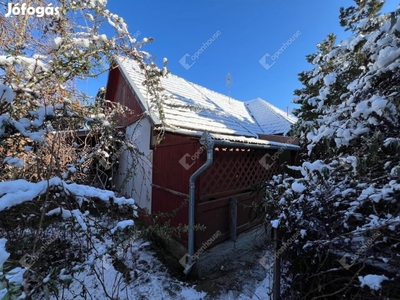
x=229, y=83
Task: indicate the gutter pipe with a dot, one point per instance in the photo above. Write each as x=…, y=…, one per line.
x=208, y=142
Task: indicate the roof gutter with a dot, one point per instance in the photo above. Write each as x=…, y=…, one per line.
x=222, y=143
x=207, y=141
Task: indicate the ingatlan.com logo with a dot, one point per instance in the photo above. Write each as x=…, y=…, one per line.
x=38, y=11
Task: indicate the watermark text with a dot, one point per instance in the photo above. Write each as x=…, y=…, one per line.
x=37, y=11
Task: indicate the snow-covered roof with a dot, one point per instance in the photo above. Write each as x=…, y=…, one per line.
x=271, y=119
x=192, y=107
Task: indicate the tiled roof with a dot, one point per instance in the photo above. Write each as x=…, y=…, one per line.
x=271, y=119
x=192, y=107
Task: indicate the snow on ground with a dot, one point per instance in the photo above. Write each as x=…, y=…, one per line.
x=149, y=278
x=261, y=291
x=132, y=271
x=140, y=276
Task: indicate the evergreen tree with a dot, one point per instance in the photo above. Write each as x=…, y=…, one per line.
x=345, y=202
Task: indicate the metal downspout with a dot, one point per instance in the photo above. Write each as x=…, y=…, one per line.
x=210, y=156
x=210, y=143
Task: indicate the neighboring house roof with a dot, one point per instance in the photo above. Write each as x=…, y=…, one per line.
x=271, y=119
x=193, y=108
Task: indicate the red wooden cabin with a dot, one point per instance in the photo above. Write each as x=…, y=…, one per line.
x=244, y=138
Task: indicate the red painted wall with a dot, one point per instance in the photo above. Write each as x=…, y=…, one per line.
x=119, y=91
x=170, y=174
x=233, y=173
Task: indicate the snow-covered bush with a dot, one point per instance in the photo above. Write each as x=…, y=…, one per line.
x=345, y=199
x=50, y=208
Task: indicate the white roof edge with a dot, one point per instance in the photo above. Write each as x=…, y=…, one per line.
x=246, y=140
x=235, y=138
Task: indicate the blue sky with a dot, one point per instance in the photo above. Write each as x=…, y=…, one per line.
x=244, y=32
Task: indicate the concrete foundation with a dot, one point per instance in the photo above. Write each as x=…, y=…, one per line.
x=223, y=255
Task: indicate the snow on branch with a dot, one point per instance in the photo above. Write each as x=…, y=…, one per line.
x=16, y=192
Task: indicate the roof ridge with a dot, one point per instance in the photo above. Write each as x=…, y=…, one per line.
x=253, y=117
x=279, y=112
x=247, y=129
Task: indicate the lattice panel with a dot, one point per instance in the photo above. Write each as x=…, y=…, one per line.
x=237, y=169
